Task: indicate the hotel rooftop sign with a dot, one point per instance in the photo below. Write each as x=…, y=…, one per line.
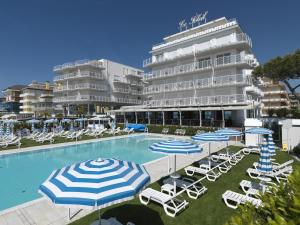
x=197, y=19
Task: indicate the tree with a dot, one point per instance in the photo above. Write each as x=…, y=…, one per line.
x=280, y=207
x=282, y=69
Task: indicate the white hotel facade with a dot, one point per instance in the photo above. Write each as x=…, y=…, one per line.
x=199, y=76
x=96, y=85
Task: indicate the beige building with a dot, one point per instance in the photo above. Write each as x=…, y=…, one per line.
x=275, y=96
x=37, y=99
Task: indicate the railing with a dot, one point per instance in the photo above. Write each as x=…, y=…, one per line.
x=95, y=63
x=238, y=38
x=200, y=101
x=95, y=98
x=80, y=87
x=197, y=66
x=136, y=92
x=229, y=23
x=79, y=75
x=199, y=83
x=122, y=90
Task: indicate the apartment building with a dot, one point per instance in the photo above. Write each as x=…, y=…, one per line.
x=37, y=99
x=96, y=86
x=199, y=76
x=12, y=98
x=295, y=104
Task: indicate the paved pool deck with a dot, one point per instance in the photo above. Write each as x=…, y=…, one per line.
x=42, y=212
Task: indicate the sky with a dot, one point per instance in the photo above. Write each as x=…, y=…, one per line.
x=36, y=35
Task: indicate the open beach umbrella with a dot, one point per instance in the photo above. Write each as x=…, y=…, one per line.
x=230, y=133
x=210, y=137
x=50, y=121
x=271, y=145
x=264, y=163
x=259, y=131
x=175, y=147
x=95, y=184
x=66, y=120
x=33, y=121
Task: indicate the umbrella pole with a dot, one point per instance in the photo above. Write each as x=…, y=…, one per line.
x=174, y=174
x=209, y=154
x=99, y=215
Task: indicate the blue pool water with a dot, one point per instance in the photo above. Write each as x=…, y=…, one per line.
x=21, y=174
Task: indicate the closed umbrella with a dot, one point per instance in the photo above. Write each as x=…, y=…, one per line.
x=95, y=184
x=271, y=145
x=1, y=130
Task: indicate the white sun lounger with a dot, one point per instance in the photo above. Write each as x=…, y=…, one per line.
x=172, y=206
x=249, y=150
x=223, y=167
x=233, y=199
x=277, y=166
x=250, y=187
x=15, y=141
x=224, y=157
x=279, y=175
x=210, y=174
x=48, y=137
x=165, y=130
x=194, y=191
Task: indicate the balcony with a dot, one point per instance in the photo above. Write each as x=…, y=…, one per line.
x=128, y=101
x=79, y=63
x=238, y=79
x=199, y=66
x=220, y=100
x=76, y=75
x=241, y=38
x=46, y=95
x=275, y=99
x=254, y=90
x=27, y=95
x=121, y=90
x=81, y=86
x=81, y=98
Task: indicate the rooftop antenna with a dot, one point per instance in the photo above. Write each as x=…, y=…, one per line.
x=182, y=25
x=203, y=16
x=194, y=19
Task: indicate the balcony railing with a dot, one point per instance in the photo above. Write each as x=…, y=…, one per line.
x=200, y=83
x=198, y=66
x=219, y=100
x=238, y=38
x=81, y=86
x=77, y=63
x=122, y=90
x=86, y=98
x=79, y=75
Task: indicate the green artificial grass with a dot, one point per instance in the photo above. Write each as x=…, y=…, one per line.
x=209, y=209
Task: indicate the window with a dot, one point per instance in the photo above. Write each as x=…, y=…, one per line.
x=203, y=63
x=223, y=59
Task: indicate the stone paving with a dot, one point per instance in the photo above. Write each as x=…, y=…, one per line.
x=43, y=212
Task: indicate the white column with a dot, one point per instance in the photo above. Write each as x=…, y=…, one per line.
x=136, y=119
x=223, y=120
x=124, y=117
x=163, y=116
x=180, y=120
x=200, y=118
x=148, y=114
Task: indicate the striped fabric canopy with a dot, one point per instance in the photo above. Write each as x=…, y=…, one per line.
x=258, y=130
x=95, y=184
x=264, y=164
x=210, y=136
x=175, y=147
x=271, y=145
x=229, y=132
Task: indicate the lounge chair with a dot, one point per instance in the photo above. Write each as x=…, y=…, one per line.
x=48, y=137
x=250, y=187
x=223, y=167
x=279, y=175
x=165, y=130
x=14, y=141
x=230, y=158
x=233, y=199
x=210, y=174
x=250, y=149
x=172, y=206
x=277, y=166
x=194, y=191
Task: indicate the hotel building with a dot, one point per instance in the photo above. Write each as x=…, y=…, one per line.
x=12, y=98
x=275, y=96
x=200, y=76
x=96, y=86
x=37, y=99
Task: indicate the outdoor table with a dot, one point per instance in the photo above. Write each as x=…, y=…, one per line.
x=168, y=188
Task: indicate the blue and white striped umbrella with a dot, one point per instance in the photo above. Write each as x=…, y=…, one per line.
x=210, y=136
x=51, y=121
x=258, y=130
x=66, y=120
x=33, y=121
x=264, y=163
x=95, y=184
x=271, y=145
x=45, y=128
x=175, y=147
x=229, y=132
x=1, y=130
x=8, y=131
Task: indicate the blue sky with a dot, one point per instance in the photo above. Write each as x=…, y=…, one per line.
x=39, y=34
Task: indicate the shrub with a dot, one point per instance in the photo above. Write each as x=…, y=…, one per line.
x=296, y=150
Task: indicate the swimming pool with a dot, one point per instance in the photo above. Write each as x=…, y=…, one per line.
x=21, y=174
